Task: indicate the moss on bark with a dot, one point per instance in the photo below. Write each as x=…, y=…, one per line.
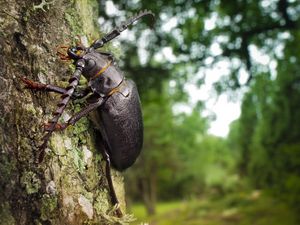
x=69, y=187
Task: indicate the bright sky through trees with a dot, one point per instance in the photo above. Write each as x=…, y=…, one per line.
x=221, y=107
x=224, y=110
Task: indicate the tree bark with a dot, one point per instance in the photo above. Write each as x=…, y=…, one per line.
x=69, y=187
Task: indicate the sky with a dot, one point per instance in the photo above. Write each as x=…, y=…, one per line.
x=226, y=112
x=224, y=109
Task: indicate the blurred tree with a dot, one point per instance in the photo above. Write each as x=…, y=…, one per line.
x=158, y=156
x=179, y=159
x=192, y=36
x=199, y=34
x=270, y=117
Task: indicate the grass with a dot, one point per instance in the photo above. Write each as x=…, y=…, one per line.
x=234, y=209
x=162, y=209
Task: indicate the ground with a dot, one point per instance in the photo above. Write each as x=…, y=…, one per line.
x=244, y=208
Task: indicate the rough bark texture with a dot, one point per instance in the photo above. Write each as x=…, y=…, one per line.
x=69, y=187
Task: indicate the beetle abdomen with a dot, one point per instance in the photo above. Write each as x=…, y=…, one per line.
x=122, y=121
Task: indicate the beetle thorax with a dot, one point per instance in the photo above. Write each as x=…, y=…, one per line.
x=94, y=62
x=101, y=72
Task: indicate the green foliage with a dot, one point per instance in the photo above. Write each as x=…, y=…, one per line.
x=179, y=158
x=193, y=30
x=272, y=146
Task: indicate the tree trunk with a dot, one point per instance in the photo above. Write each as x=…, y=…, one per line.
x=69, y=187
x=148, y=192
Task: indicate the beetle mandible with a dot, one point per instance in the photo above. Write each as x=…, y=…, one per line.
x=114, y=98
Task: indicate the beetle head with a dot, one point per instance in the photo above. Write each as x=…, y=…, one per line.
x=76, y=52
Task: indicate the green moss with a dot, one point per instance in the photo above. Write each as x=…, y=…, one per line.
x=7, y=167
x=87, y=11
x=88, y=14
x=26, y=16
x=75, y=24
x=48, y=206
x=81, y=125
x=101, y=204
x=26, y=154
x=78, y=160
x=57, y=144
x=83, y=81
x=30, y=108
x=31, y=182
x=2, y=120
x=5, y=215
x=79, y=130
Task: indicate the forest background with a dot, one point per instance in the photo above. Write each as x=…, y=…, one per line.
x=197, y=54
x=245, y=50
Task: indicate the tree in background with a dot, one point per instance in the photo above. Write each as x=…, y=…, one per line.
x=206, y=34
x=273, y=144
x=158, y=151
x=201, y=34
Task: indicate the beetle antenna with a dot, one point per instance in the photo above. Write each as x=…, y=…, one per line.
x=117, y=30
x=65, y=98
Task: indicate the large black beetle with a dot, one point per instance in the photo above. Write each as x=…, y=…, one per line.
x=112, y=99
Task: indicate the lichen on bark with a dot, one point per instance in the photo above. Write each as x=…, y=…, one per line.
x=69, y=187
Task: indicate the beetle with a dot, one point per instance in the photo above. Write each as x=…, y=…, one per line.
x=113, y=100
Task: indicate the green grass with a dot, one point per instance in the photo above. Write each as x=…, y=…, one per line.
x=233, y=209
x=162, y=208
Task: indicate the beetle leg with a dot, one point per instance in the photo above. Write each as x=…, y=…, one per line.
x=58, y=126
x=112, y=192
x=36, y=86
x=65, y=98
x=82, y=113
x=81, y=93
x=33, y=85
